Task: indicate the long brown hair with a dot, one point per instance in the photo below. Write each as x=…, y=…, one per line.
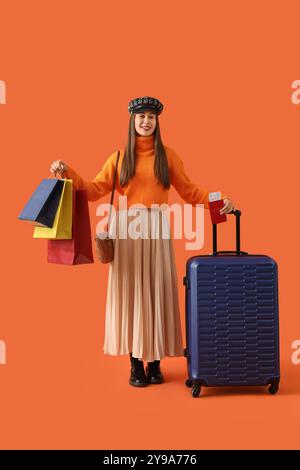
x=161, y=169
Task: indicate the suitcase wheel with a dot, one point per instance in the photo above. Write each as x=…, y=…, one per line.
x=189, y=383
x=273, y=389
x=196, y=390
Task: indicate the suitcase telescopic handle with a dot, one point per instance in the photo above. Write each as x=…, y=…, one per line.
x=238, y=251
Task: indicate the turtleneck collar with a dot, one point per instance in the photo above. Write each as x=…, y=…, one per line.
x=144, y=143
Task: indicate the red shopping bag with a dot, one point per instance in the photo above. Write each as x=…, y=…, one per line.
x=78, y=250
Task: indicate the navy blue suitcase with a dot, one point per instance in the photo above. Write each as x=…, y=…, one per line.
x=232, y=325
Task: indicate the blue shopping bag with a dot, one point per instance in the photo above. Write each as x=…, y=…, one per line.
x=43, y=204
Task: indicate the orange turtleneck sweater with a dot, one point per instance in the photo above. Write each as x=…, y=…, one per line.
x=143, y=188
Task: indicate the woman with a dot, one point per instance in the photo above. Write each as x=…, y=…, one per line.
x=142, y=308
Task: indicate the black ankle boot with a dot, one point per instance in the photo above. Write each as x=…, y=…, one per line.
x=153, y=373
x=137, y=374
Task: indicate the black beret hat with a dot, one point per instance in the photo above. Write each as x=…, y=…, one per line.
x=146, y=102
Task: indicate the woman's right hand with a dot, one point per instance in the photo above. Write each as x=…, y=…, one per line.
x=59, y=167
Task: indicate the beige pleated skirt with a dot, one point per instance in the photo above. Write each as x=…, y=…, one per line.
x=142, y=307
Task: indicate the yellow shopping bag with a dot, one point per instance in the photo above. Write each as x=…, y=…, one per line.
x=62, y=226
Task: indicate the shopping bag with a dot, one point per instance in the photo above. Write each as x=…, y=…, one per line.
x=42, y=205
x=62, y=226
x=78, y=250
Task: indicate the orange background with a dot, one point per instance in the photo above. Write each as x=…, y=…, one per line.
x=224, y=72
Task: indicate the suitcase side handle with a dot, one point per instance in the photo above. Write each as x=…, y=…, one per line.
x=237, y=213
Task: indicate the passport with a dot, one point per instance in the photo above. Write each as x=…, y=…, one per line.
x=215, y=204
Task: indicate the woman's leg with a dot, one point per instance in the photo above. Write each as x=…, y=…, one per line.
x=137, y=373
x=153, y=373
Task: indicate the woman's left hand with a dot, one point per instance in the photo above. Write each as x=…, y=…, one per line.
x=228, y=207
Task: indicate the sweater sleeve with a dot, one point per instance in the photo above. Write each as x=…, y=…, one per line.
x=189, y=191
x=101, y=185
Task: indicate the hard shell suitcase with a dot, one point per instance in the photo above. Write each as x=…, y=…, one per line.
x=232, y=324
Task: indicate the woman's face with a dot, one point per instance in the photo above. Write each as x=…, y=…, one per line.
x=145, y=123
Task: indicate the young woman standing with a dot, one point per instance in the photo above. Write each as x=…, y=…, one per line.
x=142, y=307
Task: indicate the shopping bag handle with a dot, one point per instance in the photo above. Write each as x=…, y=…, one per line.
x=53, y=175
